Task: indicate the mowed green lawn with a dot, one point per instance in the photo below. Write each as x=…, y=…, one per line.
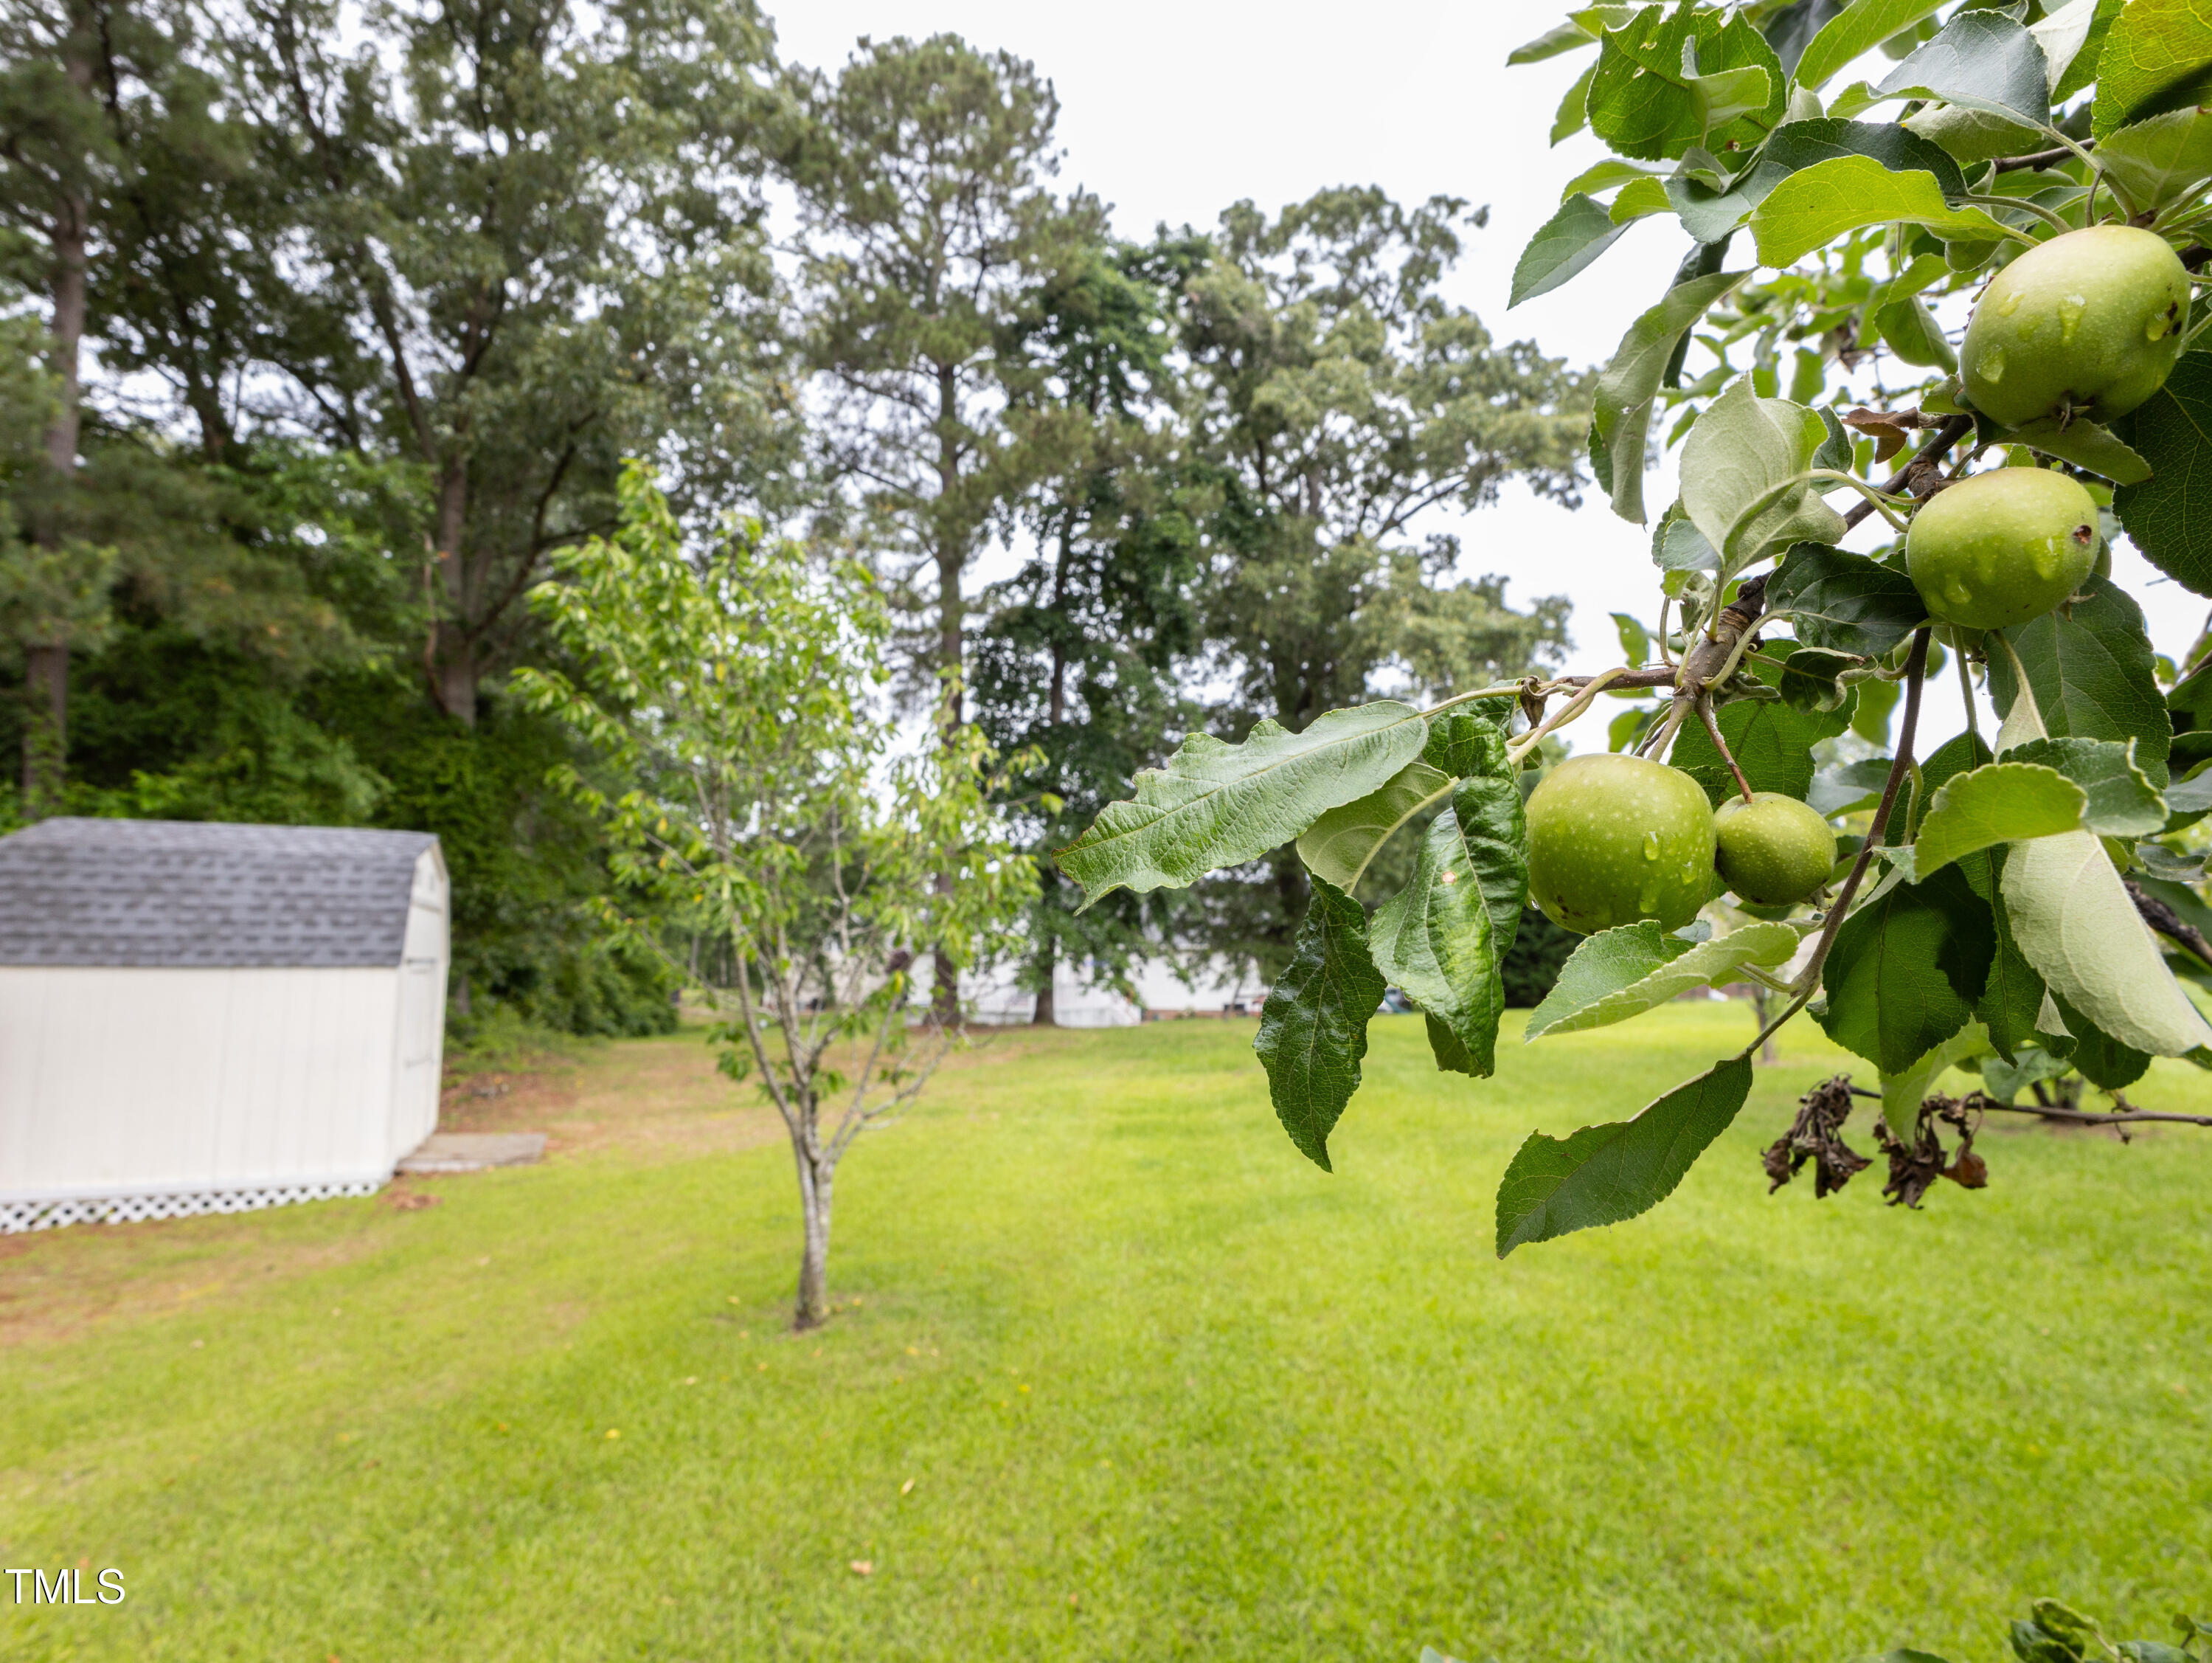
x=1118, y=1376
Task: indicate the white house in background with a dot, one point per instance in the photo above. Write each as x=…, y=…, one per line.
x=199, y=1017
x=1082, y=1001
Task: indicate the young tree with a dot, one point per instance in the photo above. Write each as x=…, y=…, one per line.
x=735, y=687
x=1335, y=397
x=927, y=227
x=2010, y=920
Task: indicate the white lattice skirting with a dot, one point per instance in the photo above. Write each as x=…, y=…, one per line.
x=16, y=1217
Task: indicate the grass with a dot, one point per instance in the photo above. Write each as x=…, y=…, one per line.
x=1117, y=1375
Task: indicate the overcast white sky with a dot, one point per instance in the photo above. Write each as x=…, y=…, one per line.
x=1173, y=109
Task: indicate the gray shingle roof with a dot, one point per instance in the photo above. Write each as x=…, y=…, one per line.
x=99, y=892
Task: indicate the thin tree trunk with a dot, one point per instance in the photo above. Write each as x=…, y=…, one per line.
x=1761, y=1000
x=47, y=664
x=952, y=623
x=45, y=729
x=453, y=657
x=815, y=1178
x=1047, y=1015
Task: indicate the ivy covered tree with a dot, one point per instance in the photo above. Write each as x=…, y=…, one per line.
x=1990, y=902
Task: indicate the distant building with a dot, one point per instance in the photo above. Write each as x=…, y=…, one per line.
x=203, y=1018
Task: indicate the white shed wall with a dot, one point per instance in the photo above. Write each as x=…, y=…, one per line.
x=420, y=1041
x=119, y=1081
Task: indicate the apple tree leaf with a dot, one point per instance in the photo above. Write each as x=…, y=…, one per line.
x=1674, y=77
x=2003, y=802
x=1619, y=973
x=1845, y=602
x=2156, y=56
x=1771, y=741
x=2089, y=666
x=1495, y=827
x=1620, y=418
x=1906, y=969
x=1217, y=804
x=1902, y=1092
x=2161, y=161
x=1343, y=843
x=1742, y=452
x=2075, y=923
x=1980, y=60
x=2121, y=802
x=1604, y=1174
x=1313, y=1028
x=2164, y=514
x=1813, y=207
x=1858, y=29
x=1565, y=243
x=1433, y=941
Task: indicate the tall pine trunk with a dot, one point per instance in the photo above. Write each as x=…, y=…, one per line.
x=46, y=663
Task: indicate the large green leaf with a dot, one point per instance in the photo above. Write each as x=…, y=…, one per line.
x=2002, y=802
x=1981, y=60
x=2158, y=162
x=2120, y=802
x=1313, y=1029
x=1845, y=602
x=1603, y=1174
x=2075, y=923
x=1812, y=207
x=1647, y=101
x=2165, y=515
x=2155, y=57
x=2086, y=445
x=1906, y=969
x=1620, y=418
x=1343, y=843
x=1859, y=29
x=1709, y=213
x=1433, y=941
x=1771, y=741
x=1563, y=246
x=1619, y=973
x=1487, y=804
x=1216, y=805
x=2089, y=665
x=1742, y=452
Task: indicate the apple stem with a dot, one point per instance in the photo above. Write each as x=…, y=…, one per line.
x=1705, y=715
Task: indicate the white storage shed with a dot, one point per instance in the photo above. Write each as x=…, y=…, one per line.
x=203, y=1018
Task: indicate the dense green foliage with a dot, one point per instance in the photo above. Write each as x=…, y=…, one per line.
x=1270, y=1413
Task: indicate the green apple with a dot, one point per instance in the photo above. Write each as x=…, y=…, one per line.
x=1996, y=549
x=1614, y=839
x=2089, y=322
x=1773, y=850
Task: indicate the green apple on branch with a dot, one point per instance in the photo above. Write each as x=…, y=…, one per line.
x=2017, y=903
